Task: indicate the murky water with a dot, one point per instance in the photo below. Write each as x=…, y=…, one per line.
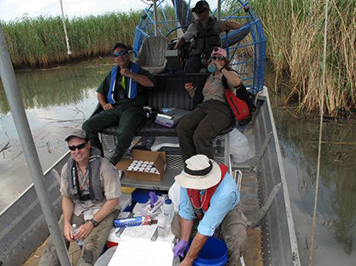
x=335, y=239
x=60, y=98
x=54, y=100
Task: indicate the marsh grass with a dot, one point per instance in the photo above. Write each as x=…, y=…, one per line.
x=295, y=32
x=40, y=42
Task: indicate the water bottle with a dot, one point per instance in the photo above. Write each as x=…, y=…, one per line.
x=162, y=225
x=168, y=210
x=166, y=110
x=80, y=242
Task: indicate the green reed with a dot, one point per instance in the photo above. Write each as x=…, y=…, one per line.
x=295, y=34
x=294, y=31
x=40, y=42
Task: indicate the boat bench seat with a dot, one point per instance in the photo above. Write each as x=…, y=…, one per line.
x=169, y=92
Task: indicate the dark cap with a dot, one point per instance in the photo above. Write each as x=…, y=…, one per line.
x=200, y=6
x=76, y=132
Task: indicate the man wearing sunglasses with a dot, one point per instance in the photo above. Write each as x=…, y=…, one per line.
x=90, y=189
x=121, y=96
x=204, y=35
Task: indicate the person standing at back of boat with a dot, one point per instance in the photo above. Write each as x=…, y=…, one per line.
x=197, y=130
x=121, y=96
x=208, y=200
x=90, y=189
x=204, y=35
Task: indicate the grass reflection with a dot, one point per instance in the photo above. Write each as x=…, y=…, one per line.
x=57, y=87
x=337, y=196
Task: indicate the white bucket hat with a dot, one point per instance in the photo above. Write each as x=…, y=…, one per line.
x=199, y=173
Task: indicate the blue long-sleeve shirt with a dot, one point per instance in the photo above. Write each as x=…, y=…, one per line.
x=225, y=199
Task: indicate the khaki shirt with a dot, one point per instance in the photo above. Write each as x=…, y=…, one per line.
x=110, y=180
x=214, y=89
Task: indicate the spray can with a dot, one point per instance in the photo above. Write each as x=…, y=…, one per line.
x=135, y=221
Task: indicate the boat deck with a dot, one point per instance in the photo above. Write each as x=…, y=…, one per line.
x=249, y=204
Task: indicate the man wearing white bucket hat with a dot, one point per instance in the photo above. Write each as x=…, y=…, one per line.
x=208, y=198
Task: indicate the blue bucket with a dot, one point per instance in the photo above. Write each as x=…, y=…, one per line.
x=214, y=252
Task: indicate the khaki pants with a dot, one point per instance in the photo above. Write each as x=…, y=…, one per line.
x=93, y=244
x=232, y=231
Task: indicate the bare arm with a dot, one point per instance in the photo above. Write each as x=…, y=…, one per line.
x=68, y=209
x=197, y=244
x=103, y=102
x=106, y=209
x=230, y=25
x=143, y=80
x=85, y=229
x=180, y=43
x=230, y=75
x=185, y=229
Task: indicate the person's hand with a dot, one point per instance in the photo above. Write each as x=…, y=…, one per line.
x=125, y=72
x=189, y=86
x=153, y=198
x=219, y=64
x=68, y=232
x=108, y=106
x=224, y=27
x=84, y=230
x=179, y=248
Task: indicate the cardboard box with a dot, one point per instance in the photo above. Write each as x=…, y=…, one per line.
x=158, y=159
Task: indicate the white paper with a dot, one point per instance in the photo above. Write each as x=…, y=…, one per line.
x=139, y=232
x=139, y=253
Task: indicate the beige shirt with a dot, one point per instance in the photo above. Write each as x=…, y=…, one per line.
x=214, y=89
x=110, y=180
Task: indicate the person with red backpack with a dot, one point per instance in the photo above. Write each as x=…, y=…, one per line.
x=197, y=130
x=208, y=199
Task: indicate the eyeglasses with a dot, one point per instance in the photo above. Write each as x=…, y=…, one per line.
x=218, y=58
x=79, y=147
x=117, y=54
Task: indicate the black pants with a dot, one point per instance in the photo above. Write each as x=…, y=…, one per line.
x=197, y=131
x=126, y=118
x=193, y=64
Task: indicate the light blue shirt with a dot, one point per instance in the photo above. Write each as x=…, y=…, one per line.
x=225, y=199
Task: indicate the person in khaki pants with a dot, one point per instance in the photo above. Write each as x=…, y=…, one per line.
x=90, y=188
x=208, y=199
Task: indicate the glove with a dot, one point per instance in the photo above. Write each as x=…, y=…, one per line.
x=179, y=248
x=153, y=198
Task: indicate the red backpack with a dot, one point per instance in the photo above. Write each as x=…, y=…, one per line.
x=240, y=104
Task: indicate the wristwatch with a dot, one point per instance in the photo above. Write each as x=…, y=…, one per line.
x=95, y=223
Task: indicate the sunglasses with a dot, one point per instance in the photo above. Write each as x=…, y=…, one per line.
x=79, y=147
x=117, y=54
x=218, y=58
x=201, y=11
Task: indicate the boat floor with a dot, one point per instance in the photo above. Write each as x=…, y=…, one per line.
x=74, y=255
x=249, y=205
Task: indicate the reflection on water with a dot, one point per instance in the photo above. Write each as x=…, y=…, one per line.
x=54, y=100
x=336, y=220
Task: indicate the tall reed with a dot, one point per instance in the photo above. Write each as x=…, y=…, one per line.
x=295, y=32
x=41, y=41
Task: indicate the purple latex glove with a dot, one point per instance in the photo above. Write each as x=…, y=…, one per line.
x=180, y=248
x=153, y=198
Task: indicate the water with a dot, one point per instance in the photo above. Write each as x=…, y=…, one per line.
x=54, y=100
x=335, y=238
x=59, y=98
